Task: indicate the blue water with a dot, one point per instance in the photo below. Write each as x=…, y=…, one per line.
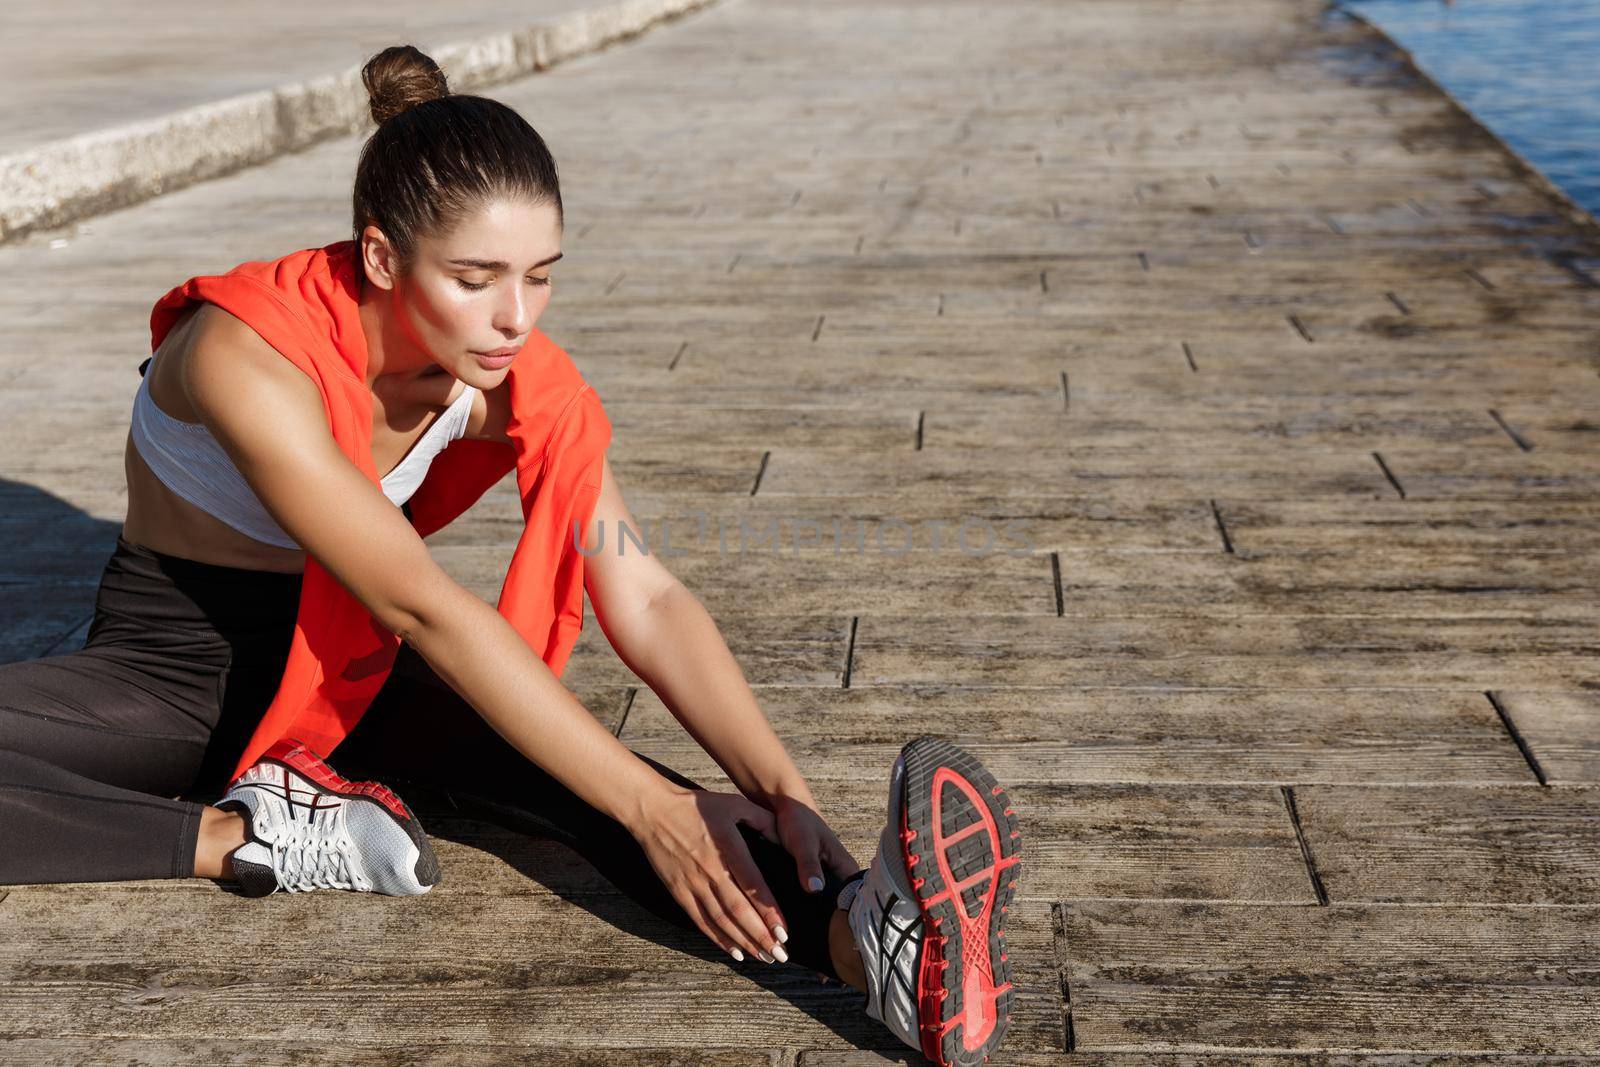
x=1528, y=69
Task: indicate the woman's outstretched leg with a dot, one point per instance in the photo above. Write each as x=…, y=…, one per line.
x=418, y=730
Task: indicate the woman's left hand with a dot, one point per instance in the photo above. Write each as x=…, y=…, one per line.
x=811, y=841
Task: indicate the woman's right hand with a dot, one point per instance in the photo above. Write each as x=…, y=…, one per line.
x=692, y=839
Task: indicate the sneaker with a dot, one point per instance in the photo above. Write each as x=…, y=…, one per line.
x=311, y=829
x=927, y=915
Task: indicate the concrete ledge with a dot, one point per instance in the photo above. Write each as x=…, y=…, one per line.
x=92, y=173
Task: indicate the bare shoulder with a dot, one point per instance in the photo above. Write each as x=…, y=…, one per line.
x=221, y=334
x=228, y=364
x=258, y=405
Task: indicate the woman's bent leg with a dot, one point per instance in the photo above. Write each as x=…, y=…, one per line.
x=419, y=730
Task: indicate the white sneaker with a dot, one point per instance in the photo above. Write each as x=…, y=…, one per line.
x=311, y=829
x=926, y=917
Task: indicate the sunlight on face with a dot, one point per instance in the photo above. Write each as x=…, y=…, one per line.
x=482, y=287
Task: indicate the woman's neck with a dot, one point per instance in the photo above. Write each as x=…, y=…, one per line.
x=397, y=371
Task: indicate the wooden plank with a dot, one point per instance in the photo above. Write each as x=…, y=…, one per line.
x=1542, y=527
x=820, y=375
x=710, y=520
x=647, y=427
x=955, y=582
x=1276, y=650
x=771, y=650
x=489, y=970
x=1251, y=425
x=1029, y=471
x=81, y=495
x=803, y=379
x=1347, y=560
x=1497, y=845
x=492, y=970
x=819, y=580
x=1481, y=474
x=1217, y=978
x=1561, y=732
x=1089, y=734
x=62, y=549
x=246, y=1051
x=830, y=1058
x=34, y=447
x=58, y=614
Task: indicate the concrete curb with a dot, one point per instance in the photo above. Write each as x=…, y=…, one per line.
x=92, y=173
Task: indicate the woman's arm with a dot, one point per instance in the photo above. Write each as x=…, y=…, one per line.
x=665, y=636
x=268, y=416
x=481, y=656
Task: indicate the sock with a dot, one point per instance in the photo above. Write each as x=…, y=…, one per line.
x=852, y=886
x=251, y=862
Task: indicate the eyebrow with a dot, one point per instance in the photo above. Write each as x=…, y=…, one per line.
x=499, y=264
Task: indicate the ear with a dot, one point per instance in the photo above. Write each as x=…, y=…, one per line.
x=378, y=257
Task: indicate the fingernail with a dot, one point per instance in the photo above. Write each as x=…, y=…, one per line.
x=777, y=950
x=764, y=957
x=815, y=884
x=737, y=954
x=780, y=933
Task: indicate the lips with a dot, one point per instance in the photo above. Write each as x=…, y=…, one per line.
x=499, y=352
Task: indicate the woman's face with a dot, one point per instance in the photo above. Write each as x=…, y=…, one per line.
x=480, y=288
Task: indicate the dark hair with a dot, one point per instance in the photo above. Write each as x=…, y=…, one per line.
x=436, y=156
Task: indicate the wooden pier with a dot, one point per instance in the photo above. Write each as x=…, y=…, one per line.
x=1283, y=373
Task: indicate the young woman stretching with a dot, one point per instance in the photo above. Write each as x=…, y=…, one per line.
x=251, y=617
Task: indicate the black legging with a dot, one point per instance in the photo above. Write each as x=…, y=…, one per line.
x=107, y=753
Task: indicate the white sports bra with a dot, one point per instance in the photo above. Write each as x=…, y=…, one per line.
x=191, y=463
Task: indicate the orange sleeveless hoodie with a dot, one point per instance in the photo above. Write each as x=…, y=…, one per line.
x=305, y=306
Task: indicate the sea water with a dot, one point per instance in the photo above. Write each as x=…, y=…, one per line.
x=1528, y=69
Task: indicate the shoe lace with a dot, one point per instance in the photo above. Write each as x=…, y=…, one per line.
x=317, y=853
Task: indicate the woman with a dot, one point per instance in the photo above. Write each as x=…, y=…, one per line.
x=244, y=627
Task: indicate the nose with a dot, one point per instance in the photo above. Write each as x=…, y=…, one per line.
x=513, y=313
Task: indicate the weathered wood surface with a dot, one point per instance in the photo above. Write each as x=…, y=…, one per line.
x=1234, y=978
x=1501, y=845
x=1561, y=732
x=1220, y=736
x=1288, y=371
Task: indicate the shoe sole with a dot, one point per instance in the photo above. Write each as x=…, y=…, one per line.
x=961, y=843
x=300, y=759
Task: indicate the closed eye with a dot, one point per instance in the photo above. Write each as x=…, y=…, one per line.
x=484, y=285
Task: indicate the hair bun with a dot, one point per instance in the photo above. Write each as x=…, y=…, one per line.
x=399, y=78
